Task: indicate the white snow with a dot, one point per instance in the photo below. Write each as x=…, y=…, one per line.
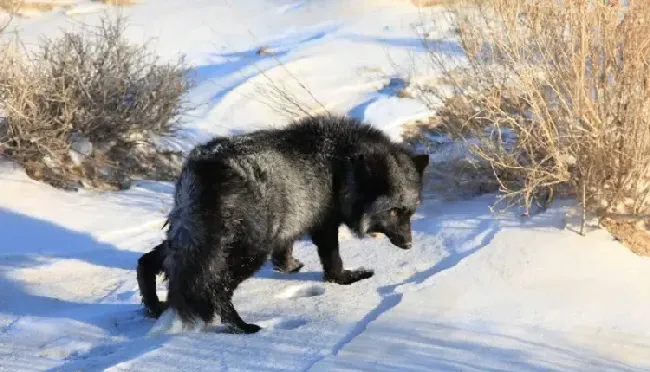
x=478, y=292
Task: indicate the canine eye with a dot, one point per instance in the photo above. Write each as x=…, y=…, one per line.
x=396, y=212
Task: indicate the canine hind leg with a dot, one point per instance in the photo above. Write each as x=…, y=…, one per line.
x=230, y=317
x=239, y=269
x=150, y=265
x=283, y=260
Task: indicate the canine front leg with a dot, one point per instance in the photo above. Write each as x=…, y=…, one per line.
x=283, y=260
x=327, y=242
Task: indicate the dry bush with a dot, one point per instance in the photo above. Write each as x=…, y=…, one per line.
x=118, y=2
x=554, y=94
x=10, y=6
x=23, y=7
x=430, y=3
x=87, y=108
x=631, y=234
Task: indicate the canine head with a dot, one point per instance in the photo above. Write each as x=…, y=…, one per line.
x=387, y=191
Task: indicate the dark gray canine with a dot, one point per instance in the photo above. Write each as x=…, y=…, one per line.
x=239, y=199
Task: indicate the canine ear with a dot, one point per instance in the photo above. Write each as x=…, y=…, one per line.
x=421, y=161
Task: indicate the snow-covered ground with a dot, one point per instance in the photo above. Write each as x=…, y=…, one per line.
x=478, y=292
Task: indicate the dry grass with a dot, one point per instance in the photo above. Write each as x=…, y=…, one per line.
x=25, y=7
x=118, y=2
x=430, y=3
x=555, y=95
x=21, y=6
x=88, y=107
x=630, y=234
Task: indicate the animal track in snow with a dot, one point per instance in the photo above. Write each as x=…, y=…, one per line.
x=291, y=324
x=283, y=324
x=305, y=290
x=126, y=295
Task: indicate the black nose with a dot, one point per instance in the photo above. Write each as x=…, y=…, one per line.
x=407, y=245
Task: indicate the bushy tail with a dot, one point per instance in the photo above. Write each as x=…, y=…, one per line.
x=183, y=233
x=184, y=227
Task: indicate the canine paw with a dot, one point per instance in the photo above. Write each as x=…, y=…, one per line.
x=347, y=277
x=245, y=328
x=155, y=310
x=290, y=267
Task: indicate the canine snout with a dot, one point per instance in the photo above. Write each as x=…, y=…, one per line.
x=402, y=242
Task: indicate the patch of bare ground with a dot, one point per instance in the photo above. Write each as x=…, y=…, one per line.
x=633, y=236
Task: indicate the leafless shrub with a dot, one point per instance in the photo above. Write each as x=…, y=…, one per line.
x=555, y=94
x=282, y=95
x=88, y=107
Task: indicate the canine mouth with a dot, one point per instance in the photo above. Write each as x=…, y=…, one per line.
x=402, y=245
x=406, y=246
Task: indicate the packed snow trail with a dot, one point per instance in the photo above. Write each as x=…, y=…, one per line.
x=69, y=309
